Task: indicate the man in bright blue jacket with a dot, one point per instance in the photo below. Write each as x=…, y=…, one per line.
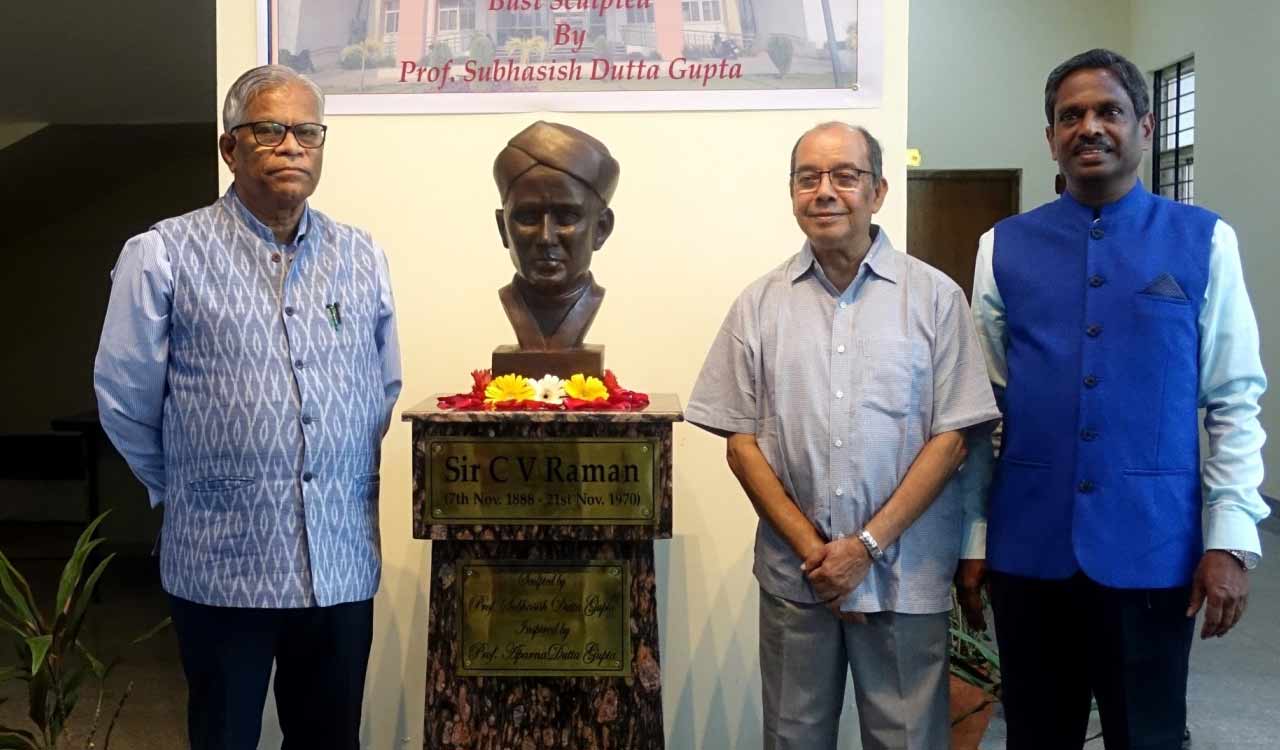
x=1108, y=317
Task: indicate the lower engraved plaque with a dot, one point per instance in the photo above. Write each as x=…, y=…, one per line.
x=563, y=619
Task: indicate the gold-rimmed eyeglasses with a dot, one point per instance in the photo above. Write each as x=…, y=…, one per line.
x=842, y=178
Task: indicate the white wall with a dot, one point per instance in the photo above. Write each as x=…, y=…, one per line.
x=977, y=79
x=702, y=210
x=1237, y=119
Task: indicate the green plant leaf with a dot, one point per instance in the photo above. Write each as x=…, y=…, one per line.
x=72, y=570
x=97, y=667
x=111, y=725
x=20, y=732
x=70, y=630
x=964, y=673
x=13, y=620
x=15, y=730
x=985, y=649
x=17, y=740
x=21, y=602
x=152, y=633
x=57, y=718
x=39, y=646
x=71, y=683
x=38, y=700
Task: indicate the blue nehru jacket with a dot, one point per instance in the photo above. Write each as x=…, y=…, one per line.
x=249, y=383
x=1100, y=463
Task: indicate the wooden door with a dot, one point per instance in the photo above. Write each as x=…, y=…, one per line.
x=948, y=210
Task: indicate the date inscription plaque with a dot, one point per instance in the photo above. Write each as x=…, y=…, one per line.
x=564, y=619
x=577, y=481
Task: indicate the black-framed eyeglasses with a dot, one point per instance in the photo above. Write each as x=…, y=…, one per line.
x=268, y=133
x=842, y=178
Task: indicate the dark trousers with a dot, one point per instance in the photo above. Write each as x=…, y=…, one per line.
x=1063, y=641
x=320, y=653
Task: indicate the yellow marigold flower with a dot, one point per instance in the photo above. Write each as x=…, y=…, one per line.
x=510, y=388
x=585, y=388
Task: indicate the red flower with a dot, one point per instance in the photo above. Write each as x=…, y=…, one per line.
x=524, y=406
x=480, y=380
x=461, y=402
x=577, y=404
x=611, y=382
x=620, y=399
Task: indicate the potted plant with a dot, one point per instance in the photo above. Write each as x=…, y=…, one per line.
x=52, y=659
x=975, y=681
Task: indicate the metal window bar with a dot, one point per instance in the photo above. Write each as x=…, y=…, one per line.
x=1172, y=163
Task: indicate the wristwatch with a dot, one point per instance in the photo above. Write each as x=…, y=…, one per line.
x=873, y=548
x=1247, y=560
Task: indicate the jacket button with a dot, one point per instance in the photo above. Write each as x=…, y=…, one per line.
x=289, y=311
x=1097, y=233
x=1094, y=331
x=1088, y=436
x=275, y=257
x=308, y=477
x=1090, y=381
x=1096, y=281
x=307, y=419
x=1086, y=486
x=299, y=364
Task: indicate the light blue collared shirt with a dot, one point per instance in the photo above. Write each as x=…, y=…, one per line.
x=1231, y=381
x=842, y=389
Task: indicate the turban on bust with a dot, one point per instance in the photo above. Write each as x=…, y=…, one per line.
x=559, y=147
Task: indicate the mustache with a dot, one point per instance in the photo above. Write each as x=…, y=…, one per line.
x=1092, y=143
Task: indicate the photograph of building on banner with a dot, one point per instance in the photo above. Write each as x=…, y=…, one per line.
x=396, y=56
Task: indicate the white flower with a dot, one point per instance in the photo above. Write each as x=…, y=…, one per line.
x=549, y=390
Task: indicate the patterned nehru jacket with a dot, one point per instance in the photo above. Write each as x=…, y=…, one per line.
x=274, y=413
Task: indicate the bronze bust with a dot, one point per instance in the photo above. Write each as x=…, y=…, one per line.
x=555, y=183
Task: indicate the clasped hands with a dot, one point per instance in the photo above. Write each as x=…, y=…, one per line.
x=835, y=569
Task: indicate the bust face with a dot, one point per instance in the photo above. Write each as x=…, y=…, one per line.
x=551, y=223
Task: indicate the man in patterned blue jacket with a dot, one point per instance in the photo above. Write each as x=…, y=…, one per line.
x=247, y=370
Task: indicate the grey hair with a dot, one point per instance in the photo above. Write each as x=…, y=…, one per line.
x=257, y=80
x=875, y=154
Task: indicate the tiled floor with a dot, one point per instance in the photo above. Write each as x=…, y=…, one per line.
x=1234, y=697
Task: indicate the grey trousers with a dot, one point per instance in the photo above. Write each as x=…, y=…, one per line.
x=899, y=667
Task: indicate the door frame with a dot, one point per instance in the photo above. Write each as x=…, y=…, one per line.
x=992, y=175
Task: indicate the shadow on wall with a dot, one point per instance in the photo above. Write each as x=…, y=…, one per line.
x=704, y=569
x=72, y=195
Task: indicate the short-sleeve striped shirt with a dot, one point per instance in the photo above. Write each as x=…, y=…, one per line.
x=842, y=390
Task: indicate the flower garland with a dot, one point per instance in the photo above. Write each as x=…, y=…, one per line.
x=513, y=392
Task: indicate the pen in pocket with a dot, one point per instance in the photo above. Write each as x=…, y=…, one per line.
x=335, y=315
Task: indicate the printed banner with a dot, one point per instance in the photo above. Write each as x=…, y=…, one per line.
x=449, y=56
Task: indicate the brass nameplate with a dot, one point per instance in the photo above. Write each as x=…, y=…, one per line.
x=562, y=619
x=588, y=480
